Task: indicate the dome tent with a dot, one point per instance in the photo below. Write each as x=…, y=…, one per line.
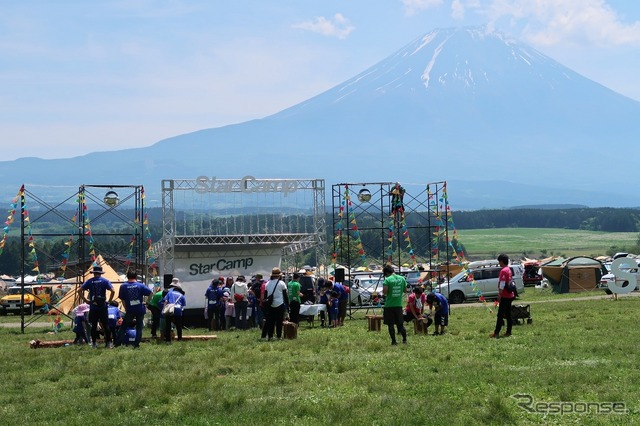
x=573, y=275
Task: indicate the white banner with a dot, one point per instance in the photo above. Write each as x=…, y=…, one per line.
x=196, y=273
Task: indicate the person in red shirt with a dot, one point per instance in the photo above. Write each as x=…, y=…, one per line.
x=505, y=297
x=415, y=305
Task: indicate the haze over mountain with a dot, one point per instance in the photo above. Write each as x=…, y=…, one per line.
x=502, y=123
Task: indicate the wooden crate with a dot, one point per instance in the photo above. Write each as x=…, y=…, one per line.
x=374, y=322
x=290, y=330
x=420, y=326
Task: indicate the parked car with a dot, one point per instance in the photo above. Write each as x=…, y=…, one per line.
x=413, y=279
x=480, y=279
x=35, y=298
x=364, y=287
x=531, y=275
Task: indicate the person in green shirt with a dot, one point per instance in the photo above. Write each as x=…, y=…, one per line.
x=155, y=310
x=293, y=288
x=393, y=290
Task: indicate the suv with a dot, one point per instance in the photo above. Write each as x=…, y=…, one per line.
x=35, y=297
x=485, y=275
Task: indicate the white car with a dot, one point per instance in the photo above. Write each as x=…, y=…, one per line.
x=483, y=281
x=363, y=287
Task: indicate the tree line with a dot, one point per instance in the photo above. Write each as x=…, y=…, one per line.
x=51, y=249
x=588, y=219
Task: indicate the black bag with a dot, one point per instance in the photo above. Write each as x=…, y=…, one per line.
x=268, y=301
x=510, y=287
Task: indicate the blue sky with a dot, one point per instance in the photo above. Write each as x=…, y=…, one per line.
x=79, y=77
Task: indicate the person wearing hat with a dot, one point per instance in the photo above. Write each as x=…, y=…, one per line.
x=274, y=313
x=132, y=294
x=176, y=297
x=98, y=286
x=80, y=323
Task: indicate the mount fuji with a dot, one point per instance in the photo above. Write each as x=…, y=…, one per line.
x=504, y=124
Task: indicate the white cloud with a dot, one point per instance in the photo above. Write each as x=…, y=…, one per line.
x=338, y=26
x=412, y=7
x=572, y=22
x=457, y=10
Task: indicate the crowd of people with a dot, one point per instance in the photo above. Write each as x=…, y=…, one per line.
x=259, y=303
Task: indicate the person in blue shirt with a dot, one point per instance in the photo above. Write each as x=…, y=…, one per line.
x=132, y=294
x=343, y=298
x=131, y=335
x=440, y=306
x=80, y=324
x=175, y=296
x=211, y=302
x=98, y=286
x=334, y=302
x=114, y=318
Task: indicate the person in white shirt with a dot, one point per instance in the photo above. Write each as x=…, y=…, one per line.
x=276, y=290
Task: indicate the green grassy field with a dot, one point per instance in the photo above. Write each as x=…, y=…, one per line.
x=575, y=354
x=543, y=242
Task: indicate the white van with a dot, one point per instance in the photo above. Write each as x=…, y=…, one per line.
x=483, y=282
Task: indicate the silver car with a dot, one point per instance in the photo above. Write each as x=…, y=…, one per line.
x=364, y=287
x=481, y=279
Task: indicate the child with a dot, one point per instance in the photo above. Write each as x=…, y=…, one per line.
x=114, y=319
x=439, y=305
x=324, y=300
x=80, y=323
x=252, y=308
x=333, y=308
x=222, y=305
x=130, y=334
x=229, y=312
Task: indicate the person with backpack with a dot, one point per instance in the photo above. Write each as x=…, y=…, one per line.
x=506, y=294
x=175, y=296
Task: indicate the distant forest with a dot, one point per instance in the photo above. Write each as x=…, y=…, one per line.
x=588, y=219
x=52, y=248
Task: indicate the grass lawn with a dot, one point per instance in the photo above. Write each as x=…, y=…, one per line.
x=542, y=242
x=574, y=352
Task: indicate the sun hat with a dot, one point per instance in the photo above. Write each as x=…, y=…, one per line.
x=82, y=309
x=276, y=272
x=176, y=283
x=97, y=270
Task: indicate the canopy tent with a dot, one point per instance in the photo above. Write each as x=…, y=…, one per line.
x=574, y=274
x=72, y=297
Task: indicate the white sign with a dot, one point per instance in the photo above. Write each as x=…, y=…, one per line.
x=622, y=275
x=196, y=273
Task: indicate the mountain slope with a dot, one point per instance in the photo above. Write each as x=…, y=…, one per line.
x=456, y=104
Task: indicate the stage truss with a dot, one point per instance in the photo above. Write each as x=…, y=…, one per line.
x=376, y=223
x=105, y=220
x=241, y=217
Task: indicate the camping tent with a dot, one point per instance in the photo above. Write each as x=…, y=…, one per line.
x=574, y=274
x=72, y=298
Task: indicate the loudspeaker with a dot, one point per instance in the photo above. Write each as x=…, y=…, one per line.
x=167, y=280
x=339, y=275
